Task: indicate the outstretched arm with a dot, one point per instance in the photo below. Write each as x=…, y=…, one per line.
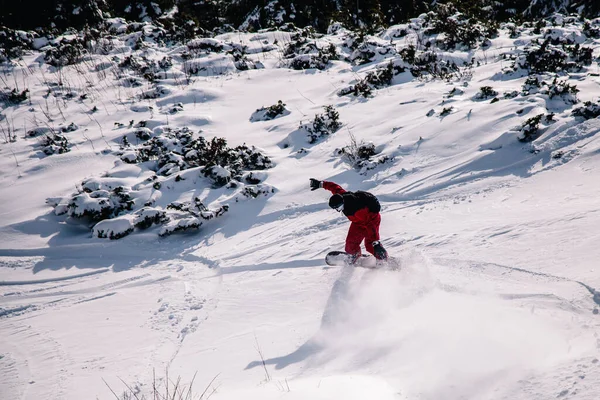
x=333, y=187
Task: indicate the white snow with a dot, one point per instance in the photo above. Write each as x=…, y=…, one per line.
x=498, y=239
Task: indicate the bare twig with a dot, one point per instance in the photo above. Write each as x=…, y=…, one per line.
x=262, y=359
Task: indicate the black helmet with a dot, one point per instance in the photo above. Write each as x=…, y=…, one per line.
x=336, y=202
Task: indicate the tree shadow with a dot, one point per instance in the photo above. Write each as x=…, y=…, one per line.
x=70, y=245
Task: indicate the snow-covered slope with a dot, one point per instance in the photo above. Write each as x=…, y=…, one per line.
x=497, y=237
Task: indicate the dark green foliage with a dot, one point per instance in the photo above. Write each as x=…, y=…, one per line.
x=377, y=79
x=198, y=17
x=458, y=28
x=446, y=111
x=13, y=97
x=532, y=85
x=383, y=76
x=562, y=89
x=589, y=110
x=67, y=52
x=54, y=143
x=180, y=149
x=486, y=92
x=427, y=64
x=323, y=124
x=106, y=204
x=529, y=129
x=31, y=14
x=275, y=110
x=548, y=57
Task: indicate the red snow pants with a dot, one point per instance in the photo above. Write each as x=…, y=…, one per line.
x=367, y=231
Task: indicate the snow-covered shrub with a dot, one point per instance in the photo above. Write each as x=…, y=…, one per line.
x=256, y=191
x=179, y=149
x=361, y=156
x=454, y=29
x=155, y=93
x=455, y=92
x=54, y=143
x=39, y=131
x=567, y=92
x=13, y=97
x=72, y=127
x=547, y=57
x=269, y=113
x=304, y=53
x=377, y=79
x=529, y=129
x=65, y=52
x=428, y=64
x=532, y=85
x=323, y=124
x=382, y=77
x=485, y=93
x=202, y=46
x=143, y=133
x=100, y=202
x=360, y=88
x=366, y=50
x=589, y=110
x=240, y=59
x=189, y=215
x=446, y=111
x=113, y=229
x=148, y=216
x=14, y=43
x=180, y=225
x=590, y=31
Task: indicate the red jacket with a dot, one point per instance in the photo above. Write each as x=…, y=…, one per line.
x=356, y=211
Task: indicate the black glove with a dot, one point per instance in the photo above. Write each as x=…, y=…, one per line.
x=379, y=251
x=315, y=184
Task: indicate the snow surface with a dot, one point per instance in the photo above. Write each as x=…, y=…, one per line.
x=498, y=242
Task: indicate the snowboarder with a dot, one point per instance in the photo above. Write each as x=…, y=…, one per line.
x=362, y=208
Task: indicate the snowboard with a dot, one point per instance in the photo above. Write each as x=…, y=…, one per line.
x=341, y=258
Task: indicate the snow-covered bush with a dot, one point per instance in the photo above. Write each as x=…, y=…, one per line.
x=113, y=229
x=485, y=93
x=203, y=46
x=148, y=216
x=383, y=76
x=563, y=90
x=189, y=215
x=377, y=79
x=269, y=113
x=429, y=65
x=65, y=52
x=303, y=52
x=547, y=57
x=532, y=85
x=179, y=149
x=72, y=127
x=39, y=131
x=368, y=49
x=360, y=88
x=589, y=110
x=97, y=202
x=14, y=43
x=529, y=129
x=455, y=29
x=54, y=143
x=13, y=97
x=361, y=156
x=323, y=124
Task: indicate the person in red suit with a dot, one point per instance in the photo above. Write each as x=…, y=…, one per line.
x=362, y=209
